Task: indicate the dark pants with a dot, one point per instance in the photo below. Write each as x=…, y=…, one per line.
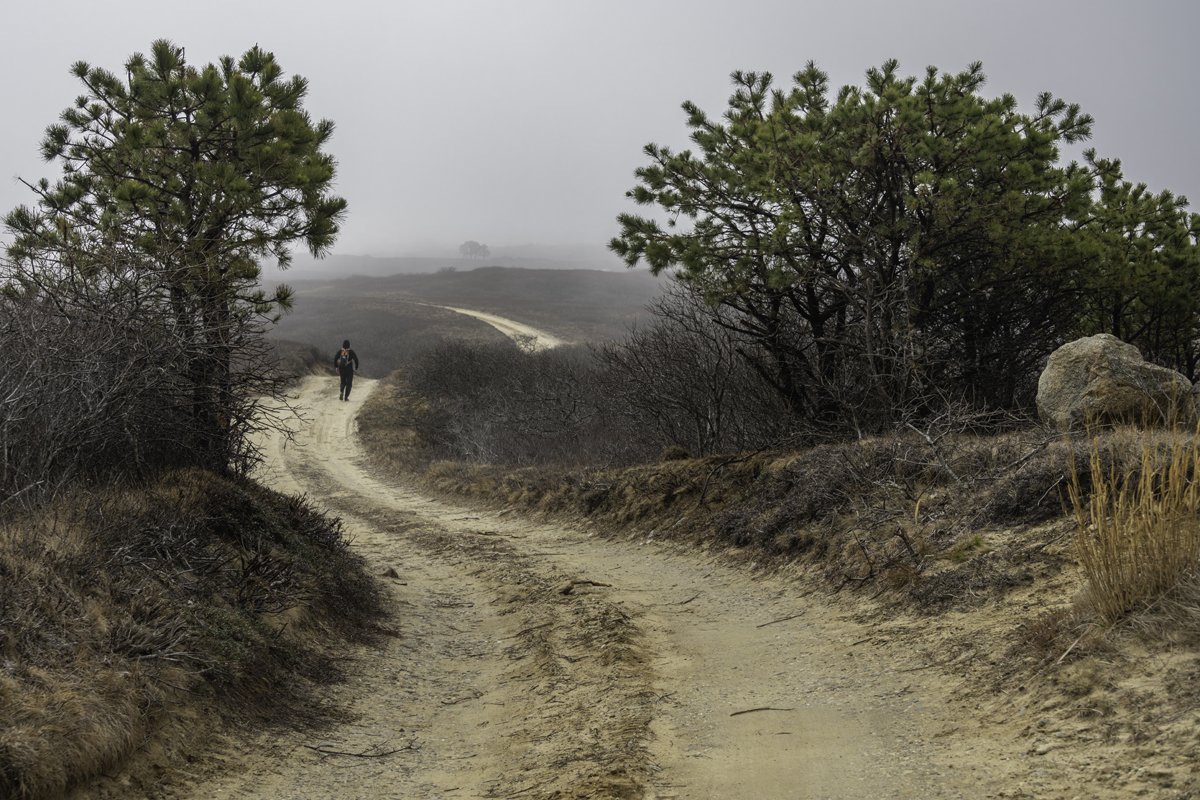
x=347, y=382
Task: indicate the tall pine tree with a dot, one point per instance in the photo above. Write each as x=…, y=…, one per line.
x=191, y=176
x=890, y=246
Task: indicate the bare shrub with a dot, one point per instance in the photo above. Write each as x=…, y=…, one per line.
x=501, y=403
x=685, y=383
x=678, y=385
x=87, y=392
x=101, y=382
x=683, y=380
x=291, y=361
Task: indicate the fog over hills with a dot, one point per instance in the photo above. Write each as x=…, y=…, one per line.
x=444, y=257
x=393, y=317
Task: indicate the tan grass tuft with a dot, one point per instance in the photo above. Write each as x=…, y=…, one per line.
x=1138, y=530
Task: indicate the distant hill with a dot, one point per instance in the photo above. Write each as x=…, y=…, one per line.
x=582, y=257
x=385, y=332
x=389, y=319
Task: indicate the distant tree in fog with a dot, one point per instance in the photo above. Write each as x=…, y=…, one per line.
x=473, y=249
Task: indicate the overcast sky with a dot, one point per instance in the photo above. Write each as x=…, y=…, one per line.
x=522, y=121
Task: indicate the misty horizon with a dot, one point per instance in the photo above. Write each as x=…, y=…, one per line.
x=520, y=125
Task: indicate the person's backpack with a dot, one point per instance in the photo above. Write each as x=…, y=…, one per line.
x=343, y=359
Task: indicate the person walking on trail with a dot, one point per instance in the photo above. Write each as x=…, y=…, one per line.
x=345, y=362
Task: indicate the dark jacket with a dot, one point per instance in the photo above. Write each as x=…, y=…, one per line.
x=348, y=368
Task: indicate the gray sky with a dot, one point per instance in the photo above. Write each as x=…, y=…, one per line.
x=522, y=121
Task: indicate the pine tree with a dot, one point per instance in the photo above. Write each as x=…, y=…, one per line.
x=190, y=176
x=891, y=245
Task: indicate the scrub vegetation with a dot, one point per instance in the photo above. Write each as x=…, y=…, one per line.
x=150, y=592
x=865, y=282
x=140, y=619
x=865, y=285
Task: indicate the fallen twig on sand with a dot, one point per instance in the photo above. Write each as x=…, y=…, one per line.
x=528, y=788
x=947, y=662
x=760, y=708
x=679, y=603
x=370, y=752
x=781, y=619
x=456, y=700
x=1067, y=652
x=569, y=586
x=451, y=604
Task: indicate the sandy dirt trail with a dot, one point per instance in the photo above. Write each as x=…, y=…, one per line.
x=536, y=660
x=519, y=331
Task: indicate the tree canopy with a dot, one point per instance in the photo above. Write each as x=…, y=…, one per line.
x=909, y=239
x=473, y=249
x=184, y=178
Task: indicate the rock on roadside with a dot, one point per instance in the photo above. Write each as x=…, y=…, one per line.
x=1100, y=380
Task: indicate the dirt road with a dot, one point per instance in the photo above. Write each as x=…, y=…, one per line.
x=539, y=661
x=518, y=331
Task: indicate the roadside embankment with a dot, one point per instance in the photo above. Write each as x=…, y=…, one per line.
x=135, y=621
x=938, y=521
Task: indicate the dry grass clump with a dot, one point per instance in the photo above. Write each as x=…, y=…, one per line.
x=940, y=516
x=1057, y=637
x=387, y=427
x=901, y=512
x=1138, y=533
x=1179, y=611
x=123, y=612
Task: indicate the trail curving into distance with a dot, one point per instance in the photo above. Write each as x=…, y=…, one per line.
x=542, y=661
x=518, y=331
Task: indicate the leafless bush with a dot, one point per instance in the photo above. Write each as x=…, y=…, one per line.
x=502, y=403
x=690, y=382
x=678, y=385
x=684, y=380
x=86, y=392
x=101, y=383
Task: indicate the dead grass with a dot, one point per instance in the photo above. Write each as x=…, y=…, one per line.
x=1059, y=636
x=1138, y=530
x=937, y=522
x=129, y=616
x=886, y=513
x=386, y=426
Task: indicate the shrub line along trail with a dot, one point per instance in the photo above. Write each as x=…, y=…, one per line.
x=534, y=660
